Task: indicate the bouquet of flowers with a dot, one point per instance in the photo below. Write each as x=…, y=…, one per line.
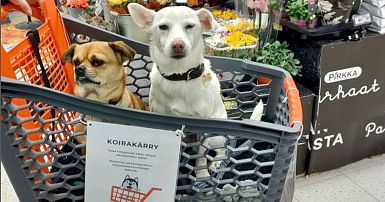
x=231, y=44
x=224, y=15
x=119, y=6
x=242, y=25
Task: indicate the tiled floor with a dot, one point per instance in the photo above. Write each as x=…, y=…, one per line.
x=363, y=181
x=7, y=192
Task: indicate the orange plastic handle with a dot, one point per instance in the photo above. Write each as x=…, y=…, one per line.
x=36, y=11
x=294, y=101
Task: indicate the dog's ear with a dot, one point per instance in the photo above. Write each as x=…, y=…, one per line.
x=122, y=51
x=142, y=16
x=68, y=54
x=137, y=179
x=207, y=20
x=127, y=177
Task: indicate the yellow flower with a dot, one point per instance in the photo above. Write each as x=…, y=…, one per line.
x=116, y=2
x=238, y=39
x=225, y=15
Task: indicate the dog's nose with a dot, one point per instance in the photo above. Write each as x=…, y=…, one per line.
x=177, y=46
x=80, y=70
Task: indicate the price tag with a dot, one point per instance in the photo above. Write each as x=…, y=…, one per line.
x=277, y=26
x=181, y=1
x=361, y=19
x=98, y=9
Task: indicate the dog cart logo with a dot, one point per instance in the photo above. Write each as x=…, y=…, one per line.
x=129, y=191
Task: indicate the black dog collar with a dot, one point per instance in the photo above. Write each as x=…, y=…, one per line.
x=192, y=73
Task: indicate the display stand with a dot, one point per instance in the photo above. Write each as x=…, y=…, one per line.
x=348, y=78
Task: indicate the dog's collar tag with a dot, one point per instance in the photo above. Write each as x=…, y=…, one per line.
x=206, y=78
x=192, y=73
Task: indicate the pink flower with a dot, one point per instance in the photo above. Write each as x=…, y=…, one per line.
x=77, y=3
x=258, y=5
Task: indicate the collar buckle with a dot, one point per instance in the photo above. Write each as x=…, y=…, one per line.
x=188, y=77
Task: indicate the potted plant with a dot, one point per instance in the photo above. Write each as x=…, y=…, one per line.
x=98, y=21
x=313, y=19
x=298, y=12
x=122, y=18
x=277, y=7
x=277, y=54
x=76, y=7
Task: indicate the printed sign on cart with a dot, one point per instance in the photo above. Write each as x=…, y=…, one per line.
x=128, y=163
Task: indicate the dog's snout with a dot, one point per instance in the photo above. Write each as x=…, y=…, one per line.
x=177, y=46
x=80, y=70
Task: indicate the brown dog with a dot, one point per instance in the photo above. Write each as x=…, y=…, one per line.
x=100, y=76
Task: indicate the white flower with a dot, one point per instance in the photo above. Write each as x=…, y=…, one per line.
x=324, y=6
x=215, y=41
x=336, y=20
x=328, y=16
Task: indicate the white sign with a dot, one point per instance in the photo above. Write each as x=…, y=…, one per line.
x=343, y=74
x=373, y=128
x=326, y=141
x=128, y=163
x=352, y=92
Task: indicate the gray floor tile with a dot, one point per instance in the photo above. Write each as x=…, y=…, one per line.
x=371, y=179
x=365, y=163
x=336, y=189
x=314, y=178
x=7, y=192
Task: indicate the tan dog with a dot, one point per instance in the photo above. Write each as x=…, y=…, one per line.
x=100, y=75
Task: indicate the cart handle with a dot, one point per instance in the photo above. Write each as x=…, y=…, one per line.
x=36, y=10
x=294, y=102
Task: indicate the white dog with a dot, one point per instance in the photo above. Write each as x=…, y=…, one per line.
x=182, y=82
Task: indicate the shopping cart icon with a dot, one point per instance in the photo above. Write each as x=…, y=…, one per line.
x=119, y=194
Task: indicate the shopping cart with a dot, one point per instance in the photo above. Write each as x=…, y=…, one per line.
x=43, y=160
x=119, y=194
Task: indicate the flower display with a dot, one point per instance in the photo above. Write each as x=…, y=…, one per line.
x=232, y=38
x=77, y=4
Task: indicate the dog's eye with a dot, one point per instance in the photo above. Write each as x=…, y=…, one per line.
x=163, y=27
x=97, y=62
x=76, y=62
x=190, y=26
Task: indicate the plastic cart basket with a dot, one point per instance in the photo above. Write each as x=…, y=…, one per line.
x=42, y=159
